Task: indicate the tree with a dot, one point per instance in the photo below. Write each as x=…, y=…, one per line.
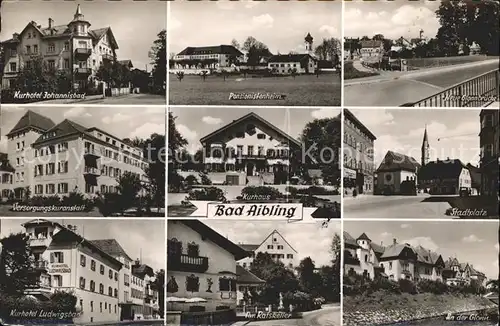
x=328, y=49
x=378, y=37
x=321, y=139
x=175, y=143
x=493, y=285
x=17, y=272
x=310, y=281
x=154, y=149
x=129, y=185
x=235, y=43
x=38, y=77
x=256, y=51
x=158, y=55
x=160, y=286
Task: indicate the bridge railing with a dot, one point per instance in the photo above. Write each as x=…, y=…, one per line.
x=478, y=91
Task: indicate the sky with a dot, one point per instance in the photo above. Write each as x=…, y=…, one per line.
x=135, y=24
x=138, y=238
x=392, y=19
x=281, y=25
x=309, y=240
x=451, y=133
x=469, y=241
x=123, y=122
x=194, y=123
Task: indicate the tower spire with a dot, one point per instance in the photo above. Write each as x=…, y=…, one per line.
x=425, y=148
x=78, y=10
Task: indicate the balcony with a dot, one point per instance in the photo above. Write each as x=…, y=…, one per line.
x=41, y=264
x=82, y=53
x=185, y=263
x=41, y=242
x=91, y=152
x=83, y=71
x=91, y=171
x=108, y=57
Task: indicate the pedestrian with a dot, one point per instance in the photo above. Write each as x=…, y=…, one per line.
x=354, y=193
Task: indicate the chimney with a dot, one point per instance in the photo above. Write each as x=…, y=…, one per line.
x=51, y=22
x=137, y=262
x=394, y=241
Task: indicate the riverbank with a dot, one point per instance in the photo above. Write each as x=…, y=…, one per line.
x=381, y=308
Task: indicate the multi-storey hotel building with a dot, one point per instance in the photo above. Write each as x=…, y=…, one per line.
x=56, y=159
x=490, y=151
x=98, y=272
x=72, y=47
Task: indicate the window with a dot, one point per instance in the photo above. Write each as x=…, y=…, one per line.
x=101, y=288
x=101, y=268
x=66, y=64
x=116, y=276
x=92, y=265
x=62, y=167
x=82, y=283
x=92, y=286
x=13, y=67
x=51, y=48
x=227, y=284
x=110, y=291
x=116, y=293
x=82, y=261
x=28, y=49
x=50, y=189
x=110, y=274
x=62, y=188
x=57, y=257
x=39, y=189
x=250, y=150
x=91, y=306
x=390, y=265
x=192, y=283
x=289, y=256
x=100, y=306
x=50, y=168
x=57, y=280
x=35, y=49
x=66, y=46
x=270, y=246
x=280, y=247
x=51, y=64
x=193, y=250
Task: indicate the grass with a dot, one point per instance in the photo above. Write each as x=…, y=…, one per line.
x=351, y=73
x=420, y=63
x=303, y=90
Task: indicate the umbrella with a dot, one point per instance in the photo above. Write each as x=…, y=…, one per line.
x=173, y=300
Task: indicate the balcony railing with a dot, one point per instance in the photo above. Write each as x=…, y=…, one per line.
x=185, y=263
x=42, y=242
x=91, y=152
x=108, y=57
x=82, y=52
x=41, y=264
x=83, y=71
x=475, y=92
x=91, y=171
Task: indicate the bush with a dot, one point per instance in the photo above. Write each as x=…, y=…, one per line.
x=318, y=191
x=381, y=283
x=209, y=194
x=204, y=180
x=110, y=204
x=191, y=180
x=262, y=192
x=407, y=286
x=430, y=286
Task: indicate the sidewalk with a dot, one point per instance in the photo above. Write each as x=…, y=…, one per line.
x=394, y=75
x=359, y=66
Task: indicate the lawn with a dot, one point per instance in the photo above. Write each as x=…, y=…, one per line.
x=350, y=72
x=303, y=90
x=420, y=63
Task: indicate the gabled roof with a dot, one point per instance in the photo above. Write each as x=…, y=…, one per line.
x=371, y=44
x=111, y=247
x=349, y=240
x=64, y=128
x=449, y=169
x=217, y=49
x=291, y=57
x=363, y=236
x=143, y=270
x=395, y=250
x=398, y=162
x=127, y=63
x=350, y=116
x=32, y=120
x=425, y=255
x=98, y=33
x=378, y=249
x=247, y=277
x=215, y=237
x=308, y=37
x=248, y=116
x=249, y=247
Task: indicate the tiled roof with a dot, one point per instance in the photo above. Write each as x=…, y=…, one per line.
x=424, y=255
x=371, y=44
x=64, y=128
x=32, y=120
x=348, y=115
x=217, y=49
x=363, y=236
x=142, y=270
x=55, y=30
x=449, y=169
x=249, y=247
x=396, y=162
x=379, y=250
x=290, y=57
x=395, y=250
x=349, y=240
x=111, y=247
x=246, y=277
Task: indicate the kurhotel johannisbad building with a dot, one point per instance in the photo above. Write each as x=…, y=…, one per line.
x=56, y=159
x=73, y=46
x=109, y=286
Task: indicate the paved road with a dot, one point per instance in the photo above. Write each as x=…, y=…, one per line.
x=131, y=99
x=326, y=316
x=410, y=89
x=394, y=207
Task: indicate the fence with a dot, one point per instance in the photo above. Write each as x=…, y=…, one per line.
x=475, y=92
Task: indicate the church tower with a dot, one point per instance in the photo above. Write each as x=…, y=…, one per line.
x=79, y=26
x=308, y=42
x=425, y=148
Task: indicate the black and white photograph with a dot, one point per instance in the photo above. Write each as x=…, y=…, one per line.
x=76, y=52
x=420, y=273
x=421, y=53
x=421, y=163
x=255, y=53
x=82, y=161
x=253, y=273
x=257, y=155
x=84, y=272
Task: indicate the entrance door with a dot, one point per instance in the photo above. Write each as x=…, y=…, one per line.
x=250, y=168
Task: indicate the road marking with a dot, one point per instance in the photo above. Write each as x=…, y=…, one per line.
x=426, y=84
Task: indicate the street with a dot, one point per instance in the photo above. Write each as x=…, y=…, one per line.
x=131, y=99
x=329, y=315
x=369, y=206
x=380, y=92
